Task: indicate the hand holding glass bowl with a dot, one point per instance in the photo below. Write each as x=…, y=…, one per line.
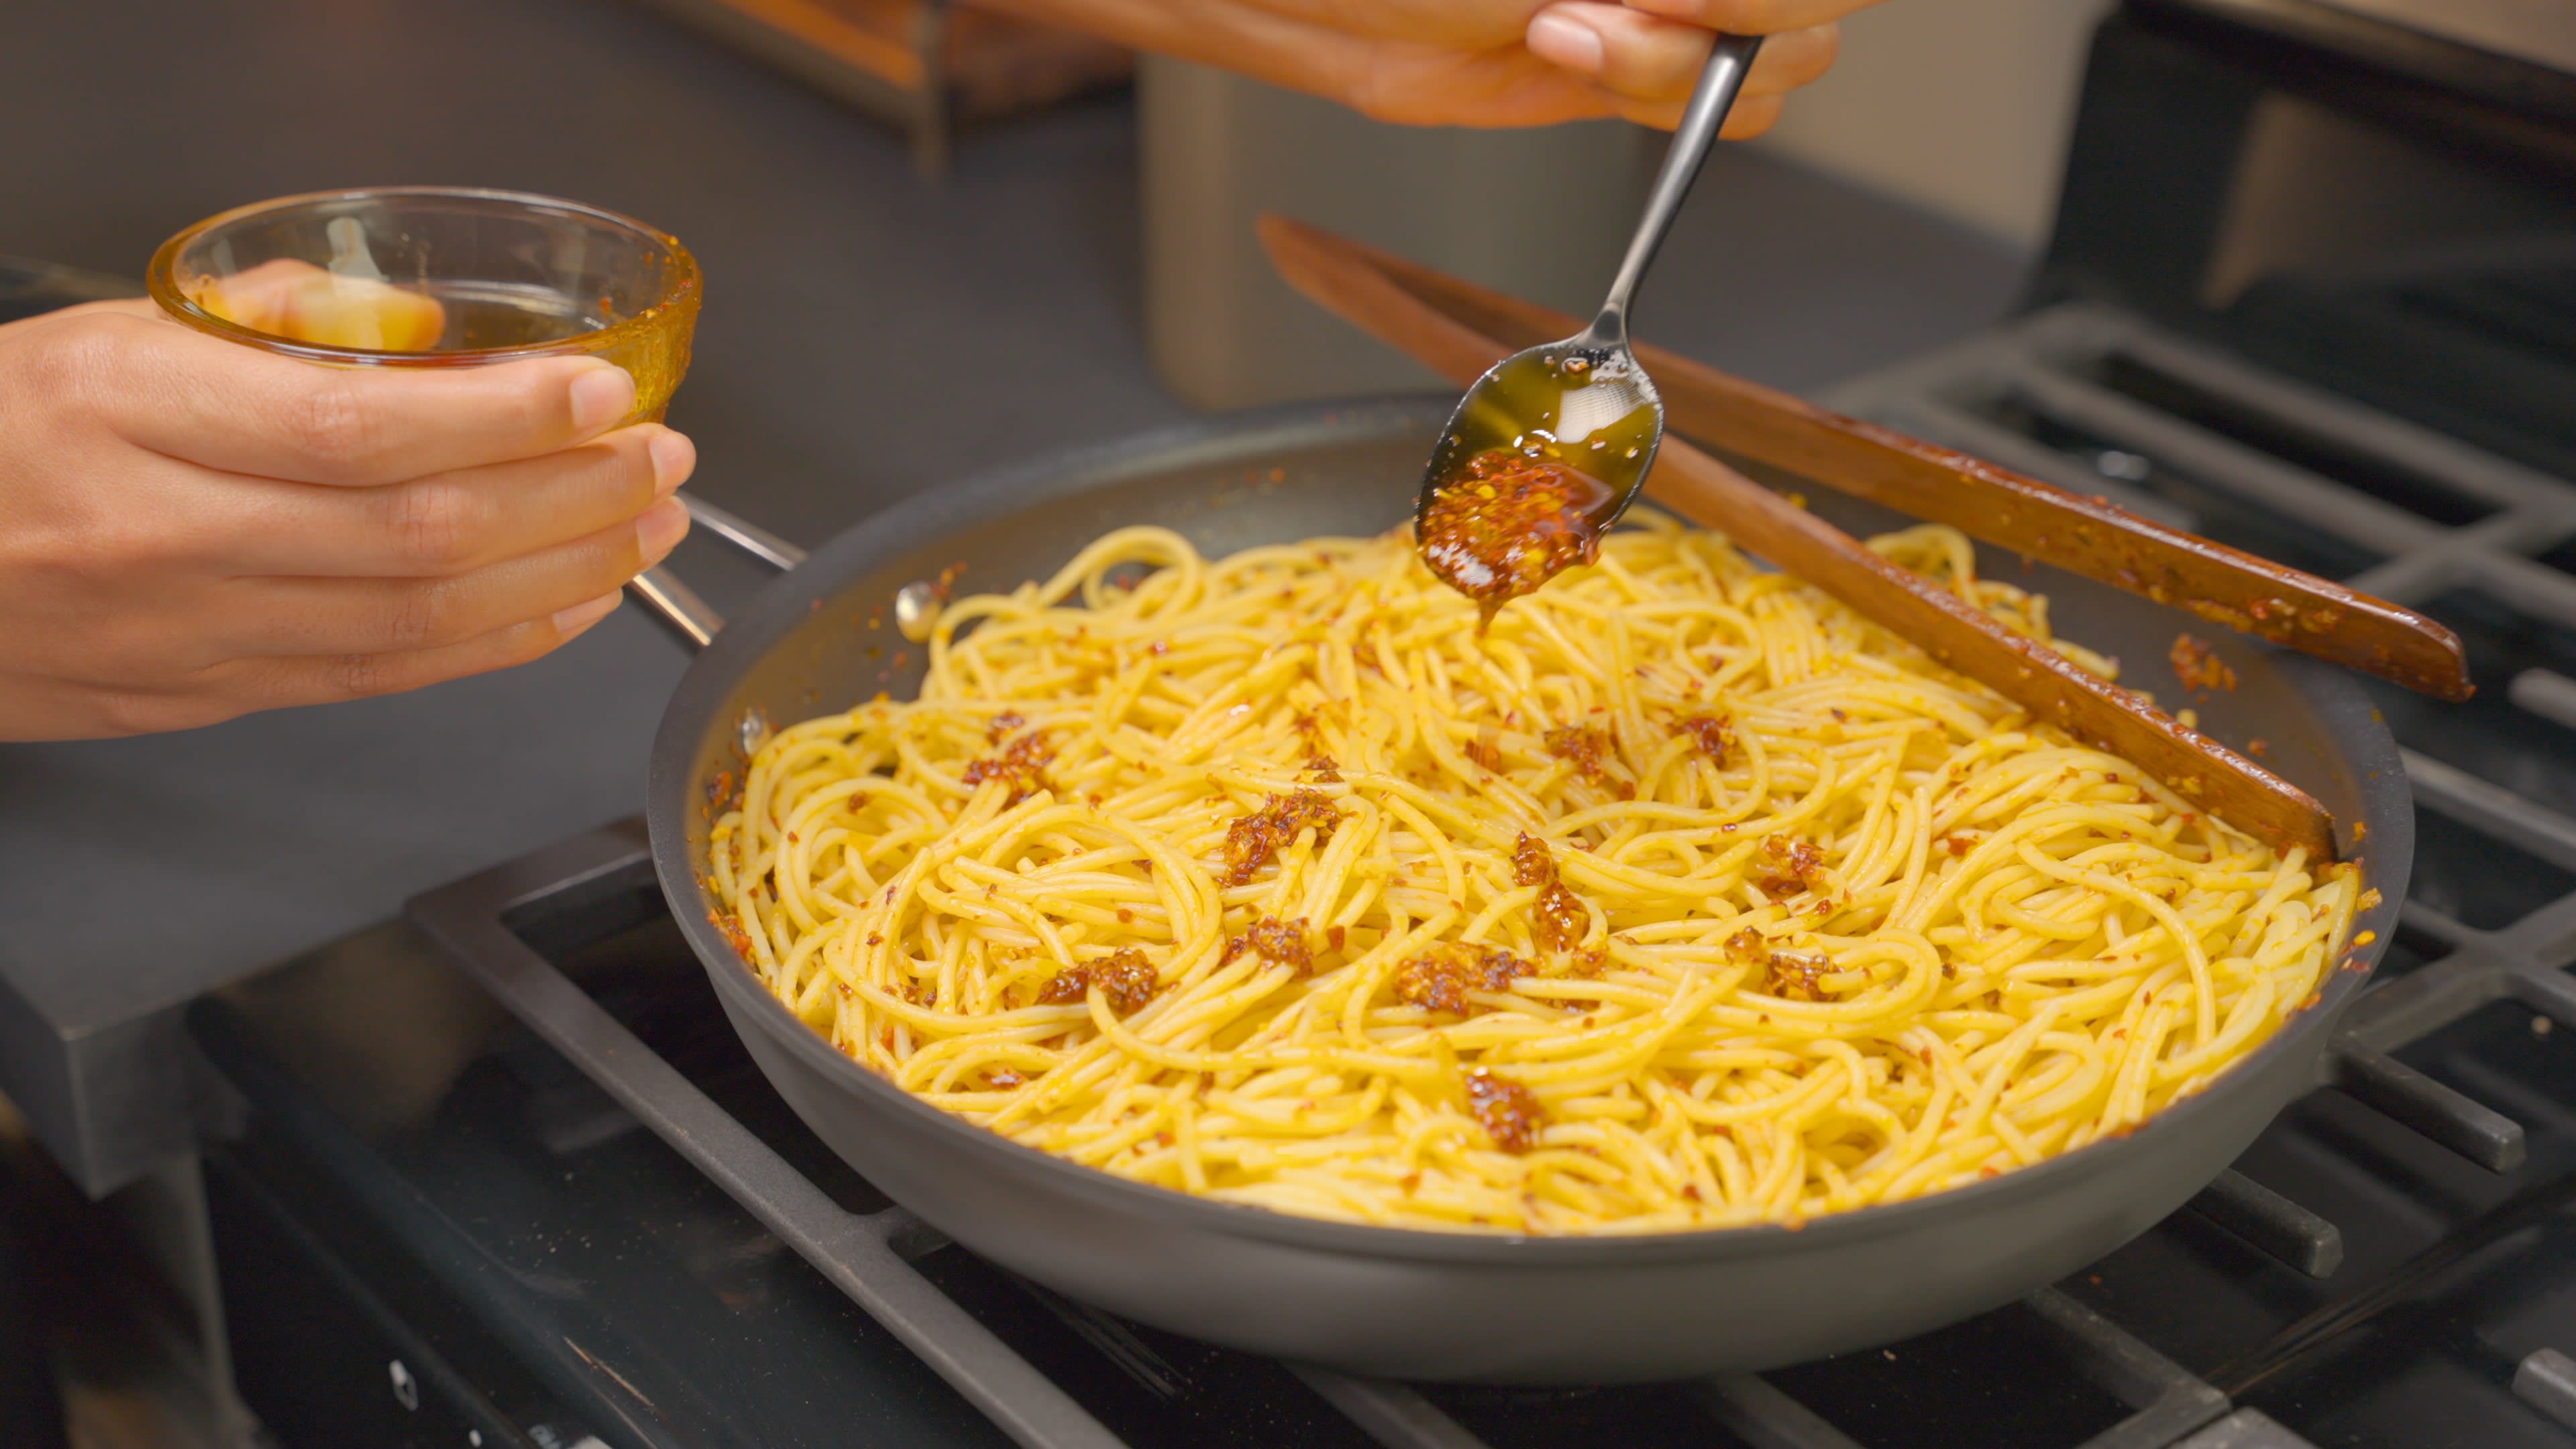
x=356, y=443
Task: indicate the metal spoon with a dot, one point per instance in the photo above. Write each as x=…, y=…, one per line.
x=1583, y=405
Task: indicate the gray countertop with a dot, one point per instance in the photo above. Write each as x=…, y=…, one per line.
x=847, y=300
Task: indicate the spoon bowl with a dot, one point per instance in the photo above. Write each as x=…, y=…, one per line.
x=1577, y=403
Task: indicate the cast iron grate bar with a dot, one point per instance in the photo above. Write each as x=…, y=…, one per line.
x=2168, y=1400
x=2546, y=1380
x=2271, y=1222
x=2245, y=1429
x=1766, y=1418
x=2546, y=693
x=1395, y=1415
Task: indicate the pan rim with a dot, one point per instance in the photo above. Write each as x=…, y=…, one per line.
x=786, y=602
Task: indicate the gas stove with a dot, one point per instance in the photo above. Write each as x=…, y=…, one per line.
x=501, y=1173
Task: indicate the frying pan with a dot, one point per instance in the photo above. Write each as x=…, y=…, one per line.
x=1404, y=1303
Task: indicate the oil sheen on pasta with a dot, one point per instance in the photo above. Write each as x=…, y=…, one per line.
x=1683, y=897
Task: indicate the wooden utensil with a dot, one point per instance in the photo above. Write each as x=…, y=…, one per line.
x=2082, y=535
x=1349, y=281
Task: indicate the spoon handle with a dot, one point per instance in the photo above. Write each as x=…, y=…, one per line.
x=1728, y=62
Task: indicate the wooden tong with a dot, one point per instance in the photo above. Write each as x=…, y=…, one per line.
x=1460, y=330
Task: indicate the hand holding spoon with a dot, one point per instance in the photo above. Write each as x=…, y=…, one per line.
x=1546, y=450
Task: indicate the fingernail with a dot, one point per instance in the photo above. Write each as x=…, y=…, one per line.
x=661, y=528
x=1562, y=40
x=674, y=459
x=601, y=396
x=582, y=616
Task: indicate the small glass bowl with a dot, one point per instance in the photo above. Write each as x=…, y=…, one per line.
x=340, y=277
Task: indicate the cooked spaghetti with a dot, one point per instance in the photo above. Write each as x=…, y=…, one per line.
x=1683, y=897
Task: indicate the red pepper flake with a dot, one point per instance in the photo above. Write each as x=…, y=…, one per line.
x=1002, y=725
x=1333, y=937
x=1957, y=844
x=1252, y=841
x=733, y=932
x=724, y=792
x=1003, y=1077
x=1021, y=764
x=2198, y=668
x=1324, y=768
x=1788, y=865
x=1713, y=733
x=1125, y=978
x=1797, y=975
x=1440, y=980
x=1126, y=917
x=1580, y=747
x=1509, y=1112
x=1485, y=751
x=1557, y=917
x=1282, y=942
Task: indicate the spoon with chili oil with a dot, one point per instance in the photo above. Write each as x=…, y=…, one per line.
x=1546, y=450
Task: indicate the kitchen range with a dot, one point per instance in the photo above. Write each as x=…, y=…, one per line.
x=502, y=1173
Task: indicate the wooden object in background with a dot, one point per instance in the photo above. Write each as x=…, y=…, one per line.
x=923, y=65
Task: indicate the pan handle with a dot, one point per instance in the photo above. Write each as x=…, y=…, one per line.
x=677, y=607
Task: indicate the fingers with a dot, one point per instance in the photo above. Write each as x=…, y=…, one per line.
x=240, y=687
x=1645, y=60
x=178, y=392
x=1753, y=17
x=325, y=679
x=447, y=525
x=285, y=617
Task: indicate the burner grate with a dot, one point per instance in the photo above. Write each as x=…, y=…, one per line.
x=2091, y=400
